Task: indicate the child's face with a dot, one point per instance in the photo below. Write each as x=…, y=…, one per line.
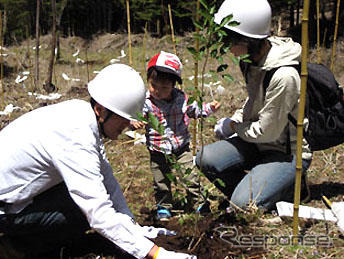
x=160, y=89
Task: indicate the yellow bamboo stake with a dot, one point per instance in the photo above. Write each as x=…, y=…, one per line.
x=2, y=65
x=194, y=129
x=172, y=29
x=129, y=34
x=318, y=32
x=301, y=112
x=335, y=36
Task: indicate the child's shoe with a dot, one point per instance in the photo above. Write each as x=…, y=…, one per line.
x=204, y=208
x=163, y=214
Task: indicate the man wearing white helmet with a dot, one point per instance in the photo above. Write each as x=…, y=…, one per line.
x=56, y=182
x=258, y=137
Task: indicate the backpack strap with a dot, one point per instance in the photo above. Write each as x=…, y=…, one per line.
x=269, y=74
x=292, y=120
x=267, y=78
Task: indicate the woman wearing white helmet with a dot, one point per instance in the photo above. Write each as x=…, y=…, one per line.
x=56, y=182
x=258, y=137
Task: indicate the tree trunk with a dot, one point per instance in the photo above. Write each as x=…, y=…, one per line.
x=48, y=86
x=109, y=21
x=58, y=27
x=37, y=45
x=291, y=15
x=4, y=27
x=298, y=13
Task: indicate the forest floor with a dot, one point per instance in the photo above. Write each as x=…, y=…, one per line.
x=221, y=233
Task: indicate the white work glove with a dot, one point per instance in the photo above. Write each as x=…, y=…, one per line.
x=164, y=254
x=152, y=232
x=338, y=211
x=222, y=128
x=146, y=231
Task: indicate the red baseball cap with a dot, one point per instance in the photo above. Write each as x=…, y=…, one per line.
x=168, y=63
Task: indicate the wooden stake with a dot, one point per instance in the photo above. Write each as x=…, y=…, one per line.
x=129, y=34
x=335, y=37
x=172, y=29
x=37, y=46
x=144, y=48
x=318, y=32
x=87, y=68
x=301, y=112
x=48, y=86
x=324, y=39
x=195, y=122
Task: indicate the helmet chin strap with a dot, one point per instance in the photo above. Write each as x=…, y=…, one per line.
x=101, y=124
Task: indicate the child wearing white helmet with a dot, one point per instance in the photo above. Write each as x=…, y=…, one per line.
x=169, y=105
x=257, y=138
x=56, y=183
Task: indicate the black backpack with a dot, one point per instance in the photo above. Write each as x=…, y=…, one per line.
x=324, y=107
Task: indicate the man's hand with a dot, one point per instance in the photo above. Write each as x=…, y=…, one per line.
x=215, y=105
x=152, y=232
x=164, y=254
x=137, y=124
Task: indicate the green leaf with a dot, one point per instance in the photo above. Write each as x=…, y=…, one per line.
x=219, y=59
x=222, y=68
x=192, y=50
x=235, y=60
x=198, y=25
x=213, y=53
x=221, y=33
x=212, y=10
x=215, y=77
x=205, y=15
x=198, y=36
x=204, y=3
x=224, y=49
x=188, y=171
x=200, y=103
x=211, y=120
x=220, y=182
x=197, y=93
x=226, y=20
x=244, y=56
x=233, y=23
x=247, y=60
x=191, y=100
x=153, y=121
x=228, y=78
x=161, y=129
x=141, y=117
x=171, y=177
x=190, y=89
x=202, y=51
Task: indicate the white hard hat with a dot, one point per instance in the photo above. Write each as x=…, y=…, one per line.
x=120, y=89
x=254, y=17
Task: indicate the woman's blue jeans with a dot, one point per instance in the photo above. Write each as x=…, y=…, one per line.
x=248, y=174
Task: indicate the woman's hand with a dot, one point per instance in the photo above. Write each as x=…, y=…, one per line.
x=224, y=128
